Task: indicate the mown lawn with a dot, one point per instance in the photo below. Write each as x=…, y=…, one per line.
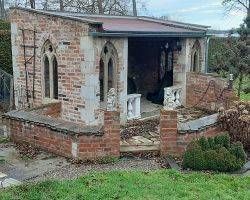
x=162, y=184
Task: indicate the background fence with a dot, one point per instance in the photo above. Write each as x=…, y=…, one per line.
x=6, y=91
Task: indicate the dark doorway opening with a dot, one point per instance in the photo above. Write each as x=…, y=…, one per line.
x=150, y=67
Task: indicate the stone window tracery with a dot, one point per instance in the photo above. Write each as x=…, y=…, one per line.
x=196, y=57
x=107, y=73
x=50, y=71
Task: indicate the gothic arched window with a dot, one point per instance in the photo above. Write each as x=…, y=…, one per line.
x=196, y=57
x=50, y=71
x=107, y=71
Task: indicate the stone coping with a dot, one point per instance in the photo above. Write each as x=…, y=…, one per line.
x=198, y=124
x=59, y=125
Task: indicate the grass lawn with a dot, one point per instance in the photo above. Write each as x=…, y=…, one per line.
x=161, y=184
x=244, y=96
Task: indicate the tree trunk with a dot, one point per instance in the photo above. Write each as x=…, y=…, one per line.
x=2, y=9
x=100, y=8
x=240, y=83
x=61, y=5
x=134, y=8
x=248, y=28
x=32, y=4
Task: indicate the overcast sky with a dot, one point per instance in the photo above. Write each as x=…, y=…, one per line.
x=205, y=12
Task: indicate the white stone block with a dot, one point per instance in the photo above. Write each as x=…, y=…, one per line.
x=74, y=149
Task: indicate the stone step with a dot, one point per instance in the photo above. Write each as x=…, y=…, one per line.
x=2, y=175
x=10, y=182
x=139, y=148
x=142, y=140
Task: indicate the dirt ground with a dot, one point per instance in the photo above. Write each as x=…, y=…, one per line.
x=27, y=164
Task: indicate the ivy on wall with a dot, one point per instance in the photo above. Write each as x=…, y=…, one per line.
x=5, y=47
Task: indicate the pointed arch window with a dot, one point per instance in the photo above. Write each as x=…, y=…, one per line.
x=50, y=71
x=107, y=70
x=196, y=57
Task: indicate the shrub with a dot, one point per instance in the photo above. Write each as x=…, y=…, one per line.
x=194, y=158
x=211, y=143
x=222, y=140
x=236, y=121
x=203, y=142
x=5, y=47
x=237, y=150
x=214, y=154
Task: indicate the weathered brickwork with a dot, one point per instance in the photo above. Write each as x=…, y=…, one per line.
x=51, y=109
x=78, y=146
x=174, y=143
x=78, y=57
x=182, y=62
x=208, y=92
x=68, y=57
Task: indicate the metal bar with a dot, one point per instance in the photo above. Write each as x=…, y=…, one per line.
x=34, y=65
x=25, y=66
x=27, y=61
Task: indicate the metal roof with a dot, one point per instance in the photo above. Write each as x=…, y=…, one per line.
x=130, y=26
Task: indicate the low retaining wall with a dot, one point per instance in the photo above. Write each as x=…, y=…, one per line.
x=175, y=137
x=208, y=92
x=66, y=138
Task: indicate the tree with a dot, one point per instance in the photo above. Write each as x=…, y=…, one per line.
x=134, y=8
x=242, y=5
x=2, y=9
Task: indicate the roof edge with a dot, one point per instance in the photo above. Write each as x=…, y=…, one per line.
x=84, y=20
x=147, y=34
x=175, y=23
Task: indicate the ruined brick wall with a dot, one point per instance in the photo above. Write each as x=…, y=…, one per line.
x=84, y=146
x=78, y=57
x=65, y=36
x=172, y=142
x=207, y=91
x=52, y=109
x=182, y=62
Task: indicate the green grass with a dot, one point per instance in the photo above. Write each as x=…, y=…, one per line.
x=4, y=140
x=161, y=184
x=244, y=96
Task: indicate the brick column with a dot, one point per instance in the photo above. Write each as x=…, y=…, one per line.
x=112, y=131
x=168, y=132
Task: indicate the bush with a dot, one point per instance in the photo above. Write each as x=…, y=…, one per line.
x=214, y=154
x=237, y=150
x=222, y=141
x=194, y=158
x=236, y=121
x=5, y=47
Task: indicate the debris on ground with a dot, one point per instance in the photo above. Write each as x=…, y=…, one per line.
x=140, y=128
x=27, y=151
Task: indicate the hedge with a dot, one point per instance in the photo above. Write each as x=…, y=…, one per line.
x=5, y=47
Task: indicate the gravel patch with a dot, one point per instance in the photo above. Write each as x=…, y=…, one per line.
x=73, y=171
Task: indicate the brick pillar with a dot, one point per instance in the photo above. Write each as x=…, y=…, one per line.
x=112, y=132
x=168, y=132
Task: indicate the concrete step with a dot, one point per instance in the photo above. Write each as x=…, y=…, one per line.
x=139, y=148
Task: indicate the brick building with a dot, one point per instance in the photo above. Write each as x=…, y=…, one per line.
x=75, y=59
